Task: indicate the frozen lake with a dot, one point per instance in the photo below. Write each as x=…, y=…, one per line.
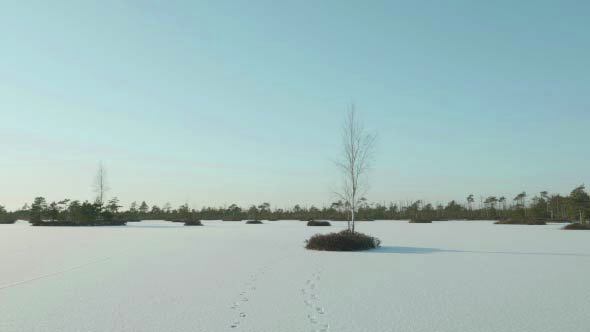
x=228, y=276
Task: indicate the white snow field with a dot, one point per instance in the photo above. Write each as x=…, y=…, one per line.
x=227, y=276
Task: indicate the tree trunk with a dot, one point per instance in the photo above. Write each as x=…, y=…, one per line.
x=348, y=221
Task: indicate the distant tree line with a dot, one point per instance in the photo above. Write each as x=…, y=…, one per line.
x=6, y=217
x=543, y=206
x=68, y=211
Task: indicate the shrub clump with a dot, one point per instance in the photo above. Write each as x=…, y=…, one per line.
x=253, y=222
x=318, y=223
x=520, y=221
x=7, y=221
x=578, y=226
x=193, y=222
x=342, y=241
x=6, y=217
x=420, y=221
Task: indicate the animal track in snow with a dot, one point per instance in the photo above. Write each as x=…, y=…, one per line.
x=243, y=299
x=323, y=328
x=312, y=319
x=311, y=300
x=240, y=305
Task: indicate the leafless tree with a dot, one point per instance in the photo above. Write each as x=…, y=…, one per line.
x=357, y=152
x=100, y=183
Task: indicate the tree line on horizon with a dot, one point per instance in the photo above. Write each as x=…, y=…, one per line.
x=543, y=206
x=355, y=160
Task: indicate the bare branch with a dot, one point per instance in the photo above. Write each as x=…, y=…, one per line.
x=357, y=151
x=100, y=184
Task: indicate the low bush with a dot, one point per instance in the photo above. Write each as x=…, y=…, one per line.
x=342, y=241
x=6, y=221
x=578, y=226
x=6, y=217
x=253, y=222
x=520, y=221
x=194, y=222
x=420, y=221
x=318, y=223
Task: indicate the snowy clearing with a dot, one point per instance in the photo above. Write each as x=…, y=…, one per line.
x=228, y=276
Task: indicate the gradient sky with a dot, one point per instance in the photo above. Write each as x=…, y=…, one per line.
x=216, y=102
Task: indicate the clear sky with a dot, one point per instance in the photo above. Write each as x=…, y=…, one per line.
x=220, y=102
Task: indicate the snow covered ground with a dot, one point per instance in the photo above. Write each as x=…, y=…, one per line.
x=228, y=276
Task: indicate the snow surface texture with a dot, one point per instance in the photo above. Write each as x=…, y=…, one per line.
x=228, y=276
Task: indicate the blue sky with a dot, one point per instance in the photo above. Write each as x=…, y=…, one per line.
x=216, y=102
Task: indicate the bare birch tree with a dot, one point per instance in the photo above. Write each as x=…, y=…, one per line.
x=100, y=183
x=357, y=151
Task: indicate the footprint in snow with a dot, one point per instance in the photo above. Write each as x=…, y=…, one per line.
x=316, y=312
x=244, y=297
x=312, y=319
x=250, y=287
x=324, y=328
